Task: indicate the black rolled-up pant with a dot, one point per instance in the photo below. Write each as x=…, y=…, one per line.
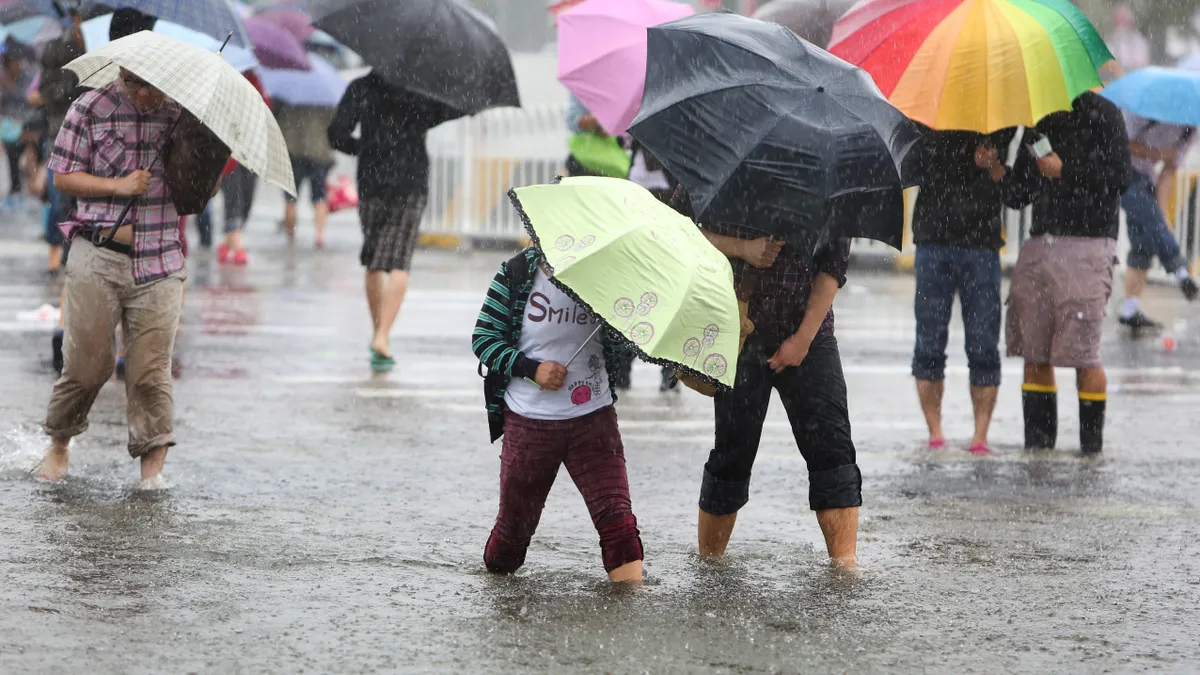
x=814, y=396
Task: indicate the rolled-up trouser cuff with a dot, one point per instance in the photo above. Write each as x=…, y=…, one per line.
x=839, y=488
x=67, y=432
x=924, y=371
x=985, y=377
x=721, y=497
x=140, y=448
x=1140, y=261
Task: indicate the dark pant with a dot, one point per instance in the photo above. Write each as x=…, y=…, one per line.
x=13, y=152
x=1149, y=235
x=814, y=396
x=974, y=274
x=56, y=213
x=315, y=172
x=591, y=448
x=238, y=189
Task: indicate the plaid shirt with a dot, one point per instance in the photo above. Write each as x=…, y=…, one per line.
x=105, y=135
x=780, y=296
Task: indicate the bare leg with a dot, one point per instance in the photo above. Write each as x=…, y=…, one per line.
x=1135, y=282
x=930, y=392
x=374, y=282
x=630, y=572
x=233, y=240
x=321, y=217
x=54, y=464
x=984, y=401
x=289, y=219
x=713, y=533
x=389, y=309
x=1091, y=380
x=1039, y=373
x=55, y=261
x=152, y=463
x=840, y=527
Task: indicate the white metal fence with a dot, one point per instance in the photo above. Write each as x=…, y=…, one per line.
x=475, y=160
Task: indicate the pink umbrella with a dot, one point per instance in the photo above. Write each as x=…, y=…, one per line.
x=292, y=19
x=602, y=54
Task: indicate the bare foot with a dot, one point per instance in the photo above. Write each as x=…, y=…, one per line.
x=53, y=466
x=381, y=348
x=152, y=464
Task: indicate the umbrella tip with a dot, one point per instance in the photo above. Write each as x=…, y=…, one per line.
x=820, y=90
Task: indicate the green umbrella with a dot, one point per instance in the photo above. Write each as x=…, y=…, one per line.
x=647, y=271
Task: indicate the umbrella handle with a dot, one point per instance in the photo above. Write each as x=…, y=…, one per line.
x=100, y=239
x=585, y=343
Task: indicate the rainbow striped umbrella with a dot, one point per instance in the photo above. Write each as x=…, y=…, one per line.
x=975, y=65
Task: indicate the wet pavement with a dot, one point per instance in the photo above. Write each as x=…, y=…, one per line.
x=321, y=519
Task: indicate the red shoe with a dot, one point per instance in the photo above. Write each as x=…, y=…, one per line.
x=937, y=444
x=980, y=450
x=240, y=257
x=223, y=254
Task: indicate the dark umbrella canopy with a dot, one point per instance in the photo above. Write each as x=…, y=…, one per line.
x=810, y=19
x=442, y=49
x=766, y=130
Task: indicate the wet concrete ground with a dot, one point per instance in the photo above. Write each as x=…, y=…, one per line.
x=324, y=520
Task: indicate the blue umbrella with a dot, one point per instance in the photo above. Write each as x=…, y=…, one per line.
x=215, y=18
x=95, y=35
x=321, y=87
x=1168, y=95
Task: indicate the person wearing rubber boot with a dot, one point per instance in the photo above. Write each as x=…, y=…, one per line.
x=1063, y=278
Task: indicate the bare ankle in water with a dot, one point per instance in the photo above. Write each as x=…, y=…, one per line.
x=54, y=464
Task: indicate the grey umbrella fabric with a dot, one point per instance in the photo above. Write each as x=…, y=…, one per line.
x=764, y=129
x=442, y=49
x=810, y=19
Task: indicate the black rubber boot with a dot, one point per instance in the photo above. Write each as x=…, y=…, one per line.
x=1091, y=423
x=1041, y=418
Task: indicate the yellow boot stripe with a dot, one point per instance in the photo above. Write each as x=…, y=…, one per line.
x=1089, y=396
x=1039, y=388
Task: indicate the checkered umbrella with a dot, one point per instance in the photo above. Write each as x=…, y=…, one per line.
x=212, y=17
x=208, y=87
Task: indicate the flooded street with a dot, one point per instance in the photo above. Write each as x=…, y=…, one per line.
x=322, y=519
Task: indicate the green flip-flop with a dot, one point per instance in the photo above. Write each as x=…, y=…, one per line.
x=381, y=363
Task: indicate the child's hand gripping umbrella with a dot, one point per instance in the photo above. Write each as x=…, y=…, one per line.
x=646, y=271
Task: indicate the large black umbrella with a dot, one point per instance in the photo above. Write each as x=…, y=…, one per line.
x=766, y=130
x=442, y=49
x=810, y=19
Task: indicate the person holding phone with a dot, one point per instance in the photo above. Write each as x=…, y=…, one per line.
x=958, y=234
x=1151, y=144
x=1062, y=282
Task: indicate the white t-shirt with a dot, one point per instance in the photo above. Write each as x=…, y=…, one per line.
x=553, y=328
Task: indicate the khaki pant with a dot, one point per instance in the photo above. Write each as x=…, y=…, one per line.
x=100, y=295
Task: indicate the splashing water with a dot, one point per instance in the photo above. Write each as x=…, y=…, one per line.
x=20, y=451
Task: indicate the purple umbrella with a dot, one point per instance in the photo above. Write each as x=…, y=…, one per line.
x=810, y=19
x=292, y=19
x=275, y=47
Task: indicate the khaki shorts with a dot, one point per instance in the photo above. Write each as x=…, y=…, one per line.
x=1058, y=300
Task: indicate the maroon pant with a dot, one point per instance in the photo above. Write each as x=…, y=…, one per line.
x=591, y=448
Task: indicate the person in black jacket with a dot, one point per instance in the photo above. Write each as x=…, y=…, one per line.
x=958, y=234
x=393, y=185
x=1063, y=279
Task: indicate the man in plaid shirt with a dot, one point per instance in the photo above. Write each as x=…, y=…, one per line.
x=792, y=350
x=108, y=140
